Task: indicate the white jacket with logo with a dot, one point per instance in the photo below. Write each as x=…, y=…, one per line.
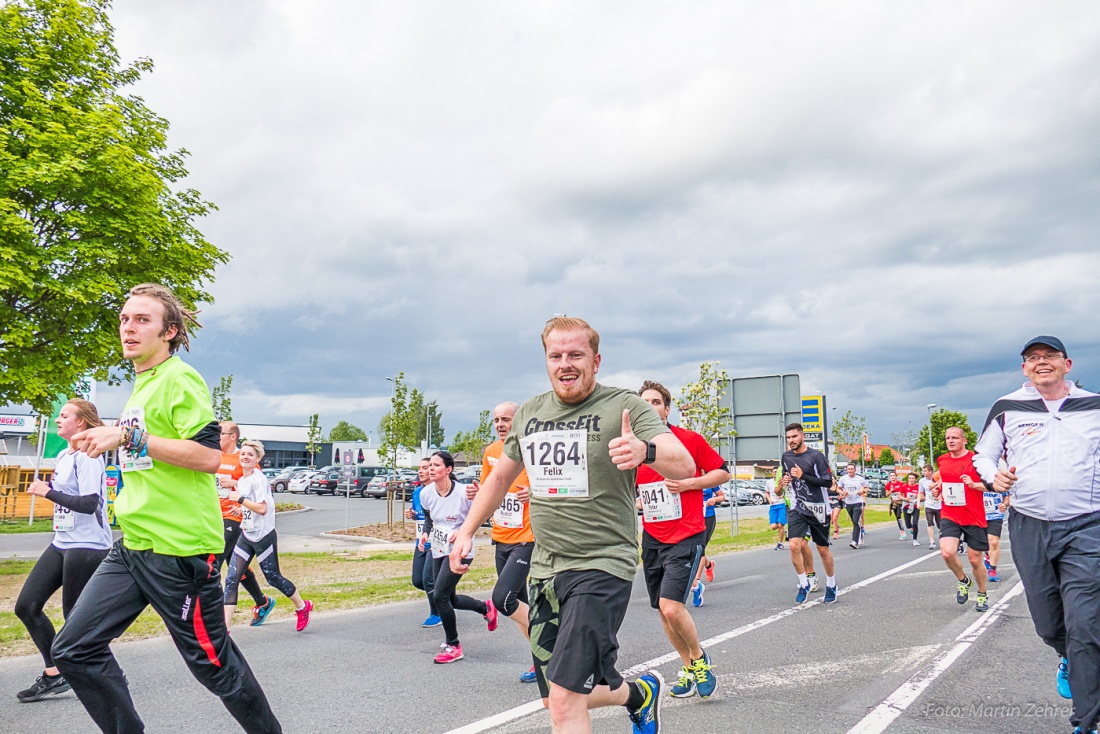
x=1056, y=455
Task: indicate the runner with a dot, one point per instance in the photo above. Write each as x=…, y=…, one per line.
x=932, y=505
x=895, y=490
x=82, y=537
x=853, y=490
x=673, y=539
x=1048, y=432
x=712, y=497
x=807, y=474
x=511, y=533
x=912, y=498
x=581, y=443
x=446, y=504
x=834, y=509
x=171, y=531
x=963, y=515
x=777, y=510
x=423, y=577
x=995, y=505
x=228, y=473
x=258, y=537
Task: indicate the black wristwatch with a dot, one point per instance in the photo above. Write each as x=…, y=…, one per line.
x=650, y=452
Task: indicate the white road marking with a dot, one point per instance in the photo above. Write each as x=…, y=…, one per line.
x=897, y=702
x=527, y=709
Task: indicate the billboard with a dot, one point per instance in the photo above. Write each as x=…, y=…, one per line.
x=761, y=407
x=813, y=422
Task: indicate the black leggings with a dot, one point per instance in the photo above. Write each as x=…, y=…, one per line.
x=266, y=551
x=513, y=565
x=68, y=570
x=423, y=576
x=895, y=510
x=447, y=601
x=855, y=512
x=912, y=520
x=248, y=579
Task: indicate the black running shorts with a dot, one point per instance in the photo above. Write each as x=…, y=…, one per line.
x=670, y=569
x=994, y=527
x=801, y=526
x=974, y=536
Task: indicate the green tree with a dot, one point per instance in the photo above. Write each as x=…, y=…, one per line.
x=472, y=443
x=848, y=430
x=700, y=405
x=344, y=431
x=398, y=427
x=87, y=206
x=886, y=457
x=430, y=415
x=219, y=396
x=314, y=437
x=942, y=419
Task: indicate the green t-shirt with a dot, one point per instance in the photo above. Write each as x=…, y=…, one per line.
x=169, y=509
x=574, y=532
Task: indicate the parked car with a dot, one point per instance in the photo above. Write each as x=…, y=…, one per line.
x=469, y=474
x=358, y=483
x=299, y=483
x=750, y=492
x=876, y=488
x=281, y=481
x=323, y=483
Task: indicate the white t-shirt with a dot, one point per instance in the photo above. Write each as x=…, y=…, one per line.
x=76, y=473
x=930, y=502
x=769, y=490
x=255, y=487
x=448, y=513
x=852, y=485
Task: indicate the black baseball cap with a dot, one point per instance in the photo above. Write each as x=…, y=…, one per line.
x=1051, y=341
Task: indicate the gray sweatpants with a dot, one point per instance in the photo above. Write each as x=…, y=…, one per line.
x=1059, y=563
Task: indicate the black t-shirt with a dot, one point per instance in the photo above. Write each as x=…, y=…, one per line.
x=811, y=490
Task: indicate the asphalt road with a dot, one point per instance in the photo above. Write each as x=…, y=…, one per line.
x=781, y=668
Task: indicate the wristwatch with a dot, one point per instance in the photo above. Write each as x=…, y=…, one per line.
x=650, y=452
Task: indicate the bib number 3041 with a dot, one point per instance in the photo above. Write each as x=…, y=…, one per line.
x=658, y=504
x=556, y=463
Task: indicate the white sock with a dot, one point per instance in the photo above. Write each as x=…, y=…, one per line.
x=802, y=580
x=830, y=581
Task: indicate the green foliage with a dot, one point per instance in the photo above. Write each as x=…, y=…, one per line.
x=942, y=419
x=848, y=430
x=400, y=427
x=219, y=396
x=472, y=443
x=885, y=457
x=430, y=414
x=86, y=204
x=700, y=408
x=314, y=437
x=344, y=431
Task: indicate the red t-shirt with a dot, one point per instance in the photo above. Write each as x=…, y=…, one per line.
x=895, y=487
x=691, y=502
x=230, y=467
x=951, y=470
x=910, y=492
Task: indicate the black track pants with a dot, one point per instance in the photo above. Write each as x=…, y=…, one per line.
x=248, y=580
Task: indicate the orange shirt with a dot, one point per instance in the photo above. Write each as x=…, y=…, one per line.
x=502, y=534
x=230, y=467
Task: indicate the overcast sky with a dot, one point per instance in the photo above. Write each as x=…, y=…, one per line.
x=887, y=199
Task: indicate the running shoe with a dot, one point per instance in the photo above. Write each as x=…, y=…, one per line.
x=812, y=578
x=803, y=592
x=259, y=614
x=853, y=545
x=993, y=574
x=705, y=680
x=932, y=546
x=685, y=684
x=983, y=602
x=962, y=593
x=647, y=719
x=433, y=620
x=303, y=615
x=709, y=573
x=44, y=686
x=962, y=549
x=491, y=615
x=985, y=560
x=1079, y=730
x=449, y=654
x=778, y=546
x=1062, y=679
x=697, y=594
x=528, y=676
x=903, y=536
x=916, y=543
x=830, y=595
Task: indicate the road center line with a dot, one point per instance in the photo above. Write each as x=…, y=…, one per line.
x=897, y=702
x=532, y=707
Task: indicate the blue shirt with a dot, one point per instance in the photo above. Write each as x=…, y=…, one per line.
x=708, y=510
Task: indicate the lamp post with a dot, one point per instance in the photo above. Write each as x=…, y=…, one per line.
x=931, y=450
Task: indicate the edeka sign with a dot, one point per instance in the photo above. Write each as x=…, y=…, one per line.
x=17, y=424
x=813, y=409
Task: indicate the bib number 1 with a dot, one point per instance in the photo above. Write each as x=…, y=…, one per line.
x=954, y=494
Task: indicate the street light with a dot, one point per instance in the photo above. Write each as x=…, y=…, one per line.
x=931, y=451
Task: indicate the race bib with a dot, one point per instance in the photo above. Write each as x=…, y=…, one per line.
x=658, y=504
x=556, y=463
x=440, y=540
x=510, y=512
x=223, y=492
x=248, y=519
x=991, y=500
x=820, y=511
x=63, y=519
x=419, y=528
x=954, y=494
x=128, y=460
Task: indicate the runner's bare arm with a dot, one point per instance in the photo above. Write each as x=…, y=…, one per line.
x=485, y=504
x=181, y=452
x=710, y=479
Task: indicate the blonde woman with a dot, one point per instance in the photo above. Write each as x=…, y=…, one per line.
x=82, y=537
x=258, y=538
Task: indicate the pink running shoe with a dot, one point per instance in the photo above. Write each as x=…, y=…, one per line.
x=491, y=615
x=450, y=654
x=303, y=615
x=710, y=572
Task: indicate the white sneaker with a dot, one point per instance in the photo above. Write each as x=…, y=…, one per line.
x=916, y=544
x=813, y=583
x=902, y=536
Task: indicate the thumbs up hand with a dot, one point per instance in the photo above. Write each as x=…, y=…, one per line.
x=627, y=451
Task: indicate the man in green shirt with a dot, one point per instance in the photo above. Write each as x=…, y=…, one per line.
x=581, y=443
x=168, y=444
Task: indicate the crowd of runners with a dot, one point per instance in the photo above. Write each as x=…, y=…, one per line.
x=564, y=484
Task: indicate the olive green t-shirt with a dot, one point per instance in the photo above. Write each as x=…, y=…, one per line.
x=564, y=447
x=169, y=509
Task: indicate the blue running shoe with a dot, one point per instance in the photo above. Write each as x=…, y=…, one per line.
x=259, y=614
x=1079, y=730
x=830, y=595
x=697, y=594
x=685, y=684
x=528, y=676
x=803, y=592
x=647, y=719
x=705, y=681
x=1063, y=679
x=432, y=621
